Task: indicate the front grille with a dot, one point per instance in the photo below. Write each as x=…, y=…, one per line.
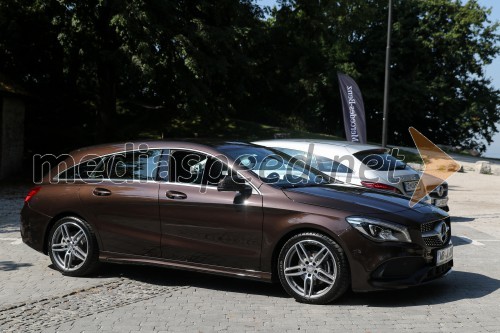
x=427, y=226
x=438, y=271
x=435, y=240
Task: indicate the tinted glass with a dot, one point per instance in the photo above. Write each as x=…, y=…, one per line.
x=274, y=167
x=319, y=162
x=380, y=160
x=196, y=168
x=134, y=165
x=91, y=169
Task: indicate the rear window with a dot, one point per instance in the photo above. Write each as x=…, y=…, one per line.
x=321, y=163
x=380, y=160
x=134, y=165
x=91, y=169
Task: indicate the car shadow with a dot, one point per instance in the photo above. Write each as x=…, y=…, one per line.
x=172, y=277
x=457, y=188
x=458, y=285
x=12, y=266
x=9, y=231
x=9, y=228
x=459, y=241
x=462, y=219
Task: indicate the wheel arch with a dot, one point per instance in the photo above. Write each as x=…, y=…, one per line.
x=54, y=220
x=302, y=229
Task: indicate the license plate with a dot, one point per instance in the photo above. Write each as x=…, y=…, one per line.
x=444, y=255
x=440, y=202
x=410, y=186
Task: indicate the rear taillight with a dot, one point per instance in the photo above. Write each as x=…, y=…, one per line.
x=380, y=186
x=32, y=193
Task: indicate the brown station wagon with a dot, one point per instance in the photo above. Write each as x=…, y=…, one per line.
x=234, y=209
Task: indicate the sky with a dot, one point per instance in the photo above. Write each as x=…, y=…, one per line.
x=492, y=71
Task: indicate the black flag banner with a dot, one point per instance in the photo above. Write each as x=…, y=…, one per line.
x=353, y=109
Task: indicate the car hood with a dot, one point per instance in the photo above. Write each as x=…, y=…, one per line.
x=360, y=200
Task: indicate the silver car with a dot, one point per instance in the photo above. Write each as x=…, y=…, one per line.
x=360, y=164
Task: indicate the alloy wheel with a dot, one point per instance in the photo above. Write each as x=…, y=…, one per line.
x=310, y=269
x=69, y=246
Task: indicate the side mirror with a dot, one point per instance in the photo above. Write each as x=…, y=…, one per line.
x=232, y=184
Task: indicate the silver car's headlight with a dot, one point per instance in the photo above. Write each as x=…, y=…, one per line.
x=379, y=230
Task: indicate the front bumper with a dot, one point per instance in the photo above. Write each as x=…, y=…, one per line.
x=395, y=276
x=440, y=202
x=392, y=265
x=439, y=196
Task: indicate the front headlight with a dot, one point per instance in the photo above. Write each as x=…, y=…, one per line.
x=379, y=230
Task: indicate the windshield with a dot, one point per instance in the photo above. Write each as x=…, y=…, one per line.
x=274, y=167
x=380, y=160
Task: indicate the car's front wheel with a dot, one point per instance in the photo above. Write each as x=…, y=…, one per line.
x=73, y=247
x=313, y=268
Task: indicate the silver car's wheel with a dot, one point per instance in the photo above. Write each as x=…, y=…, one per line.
x=72, y=247
x=313, y=268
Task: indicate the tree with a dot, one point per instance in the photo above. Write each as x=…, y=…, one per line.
x=304, y=52
x=104, y=57
x=120, y=67
x=439, y=51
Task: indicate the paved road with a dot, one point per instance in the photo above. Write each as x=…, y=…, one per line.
x=34, y=297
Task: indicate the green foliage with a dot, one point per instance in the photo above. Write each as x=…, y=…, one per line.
x=101, y=70
x=439, y=50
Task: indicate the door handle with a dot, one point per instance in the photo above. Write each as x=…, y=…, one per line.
x=101, y=192
x=176, y=195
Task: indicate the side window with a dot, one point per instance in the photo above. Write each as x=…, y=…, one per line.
x=163, y=166
x=91, y=169
x=190, y=167
x=135, y=165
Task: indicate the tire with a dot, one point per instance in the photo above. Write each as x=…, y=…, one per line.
x=72, y=247
x=313, y=268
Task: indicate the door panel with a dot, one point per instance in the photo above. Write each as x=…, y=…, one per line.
x=203, y=225
x=126, y=216
x=120, y=196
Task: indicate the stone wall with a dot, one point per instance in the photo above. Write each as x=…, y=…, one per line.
x=11, y=136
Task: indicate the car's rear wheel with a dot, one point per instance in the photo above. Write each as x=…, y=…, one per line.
x=73, y=247
x=313, y=268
